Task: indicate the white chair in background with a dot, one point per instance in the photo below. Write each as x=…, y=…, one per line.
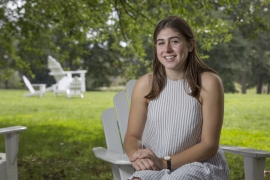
x=61, y=86
x=74, y=88
x=8, y=160
x=41, y=88
x=63, y=78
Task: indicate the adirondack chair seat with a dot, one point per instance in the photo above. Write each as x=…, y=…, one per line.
x=111, y=156
x=70, y=87
x=115, y=121
x=61, y=86
x=41, y=90
x=8, y=160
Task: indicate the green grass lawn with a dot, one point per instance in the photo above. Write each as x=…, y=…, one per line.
x=62, y=132
x=246, y=123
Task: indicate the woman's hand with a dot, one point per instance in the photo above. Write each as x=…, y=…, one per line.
x=145, y=159
x=144, y=164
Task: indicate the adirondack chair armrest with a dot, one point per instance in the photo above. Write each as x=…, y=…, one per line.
x=11, y=149
x=68, y=72
x=42, y=87
x=56, y=73
x=12, y=129
x=80, y=72
x=246, y=152
x=254, y=160
x=76, y=72
x=38, y=85
x=111, y=156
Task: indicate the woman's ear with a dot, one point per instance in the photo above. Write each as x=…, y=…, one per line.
x=191, y=45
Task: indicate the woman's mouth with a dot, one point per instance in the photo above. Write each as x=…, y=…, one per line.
x=169, y=57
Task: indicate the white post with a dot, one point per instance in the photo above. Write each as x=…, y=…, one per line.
x=42, y=90
x=11, y=146
x=254, y=168
x=82, y=76
x=126, y=171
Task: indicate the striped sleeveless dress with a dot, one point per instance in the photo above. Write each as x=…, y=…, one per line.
x=174, y=124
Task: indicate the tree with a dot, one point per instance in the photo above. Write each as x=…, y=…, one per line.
x=228, y=59
x=75, y=31
x=260, y=59
x=234, y=60
x=251, y=17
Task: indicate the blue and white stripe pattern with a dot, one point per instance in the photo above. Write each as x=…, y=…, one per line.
x=174, y=124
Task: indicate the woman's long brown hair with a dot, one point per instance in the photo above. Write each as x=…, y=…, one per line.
x=194, y=65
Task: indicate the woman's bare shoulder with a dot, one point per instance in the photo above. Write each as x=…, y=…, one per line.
x=145, y=80
x=144, y=83
x=209, y=78
x=211, y=83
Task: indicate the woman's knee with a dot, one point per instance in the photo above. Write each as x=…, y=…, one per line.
x=136, y=178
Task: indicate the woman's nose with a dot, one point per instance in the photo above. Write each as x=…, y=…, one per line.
x=168, y=47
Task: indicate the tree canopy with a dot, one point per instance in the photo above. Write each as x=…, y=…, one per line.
x=113, y=37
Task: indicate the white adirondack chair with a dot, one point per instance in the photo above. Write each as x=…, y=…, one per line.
x=8, y=160
x=61, y=86
x=41, y=88
x=115, y=120
x=74, y=88
x=63, y=78
x=112, y=124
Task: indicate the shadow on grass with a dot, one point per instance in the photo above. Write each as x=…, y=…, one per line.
x=56, y=152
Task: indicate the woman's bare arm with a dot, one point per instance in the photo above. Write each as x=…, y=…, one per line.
x=137, y=119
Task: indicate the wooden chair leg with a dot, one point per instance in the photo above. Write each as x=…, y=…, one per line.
x=12, y=143
x=126, y=171
x=254, y=168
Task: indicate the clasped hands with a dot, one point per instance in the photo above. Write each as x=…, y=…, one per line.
x=145, y=159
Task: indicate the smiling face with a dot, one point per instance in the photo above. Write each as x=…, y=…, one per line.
x=172, y=49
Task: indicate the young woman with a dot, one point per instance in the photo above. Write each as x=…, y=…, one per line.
x=176, y=112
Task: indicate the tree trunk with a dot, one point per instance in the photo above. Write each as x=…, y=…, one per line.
x=259, y=84
x=244, y=82
x=6, y=84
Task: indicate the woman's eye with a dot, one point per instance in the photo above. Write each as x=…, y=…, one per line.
x=160, y=43
x=174, y=41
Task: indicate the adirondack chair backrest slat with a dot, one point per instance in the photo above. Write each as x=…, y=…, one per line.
x=111, y=131
x=113, y=140
x=129, y=88
x=28, y=84
x=122, y=110
x=55, y=68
